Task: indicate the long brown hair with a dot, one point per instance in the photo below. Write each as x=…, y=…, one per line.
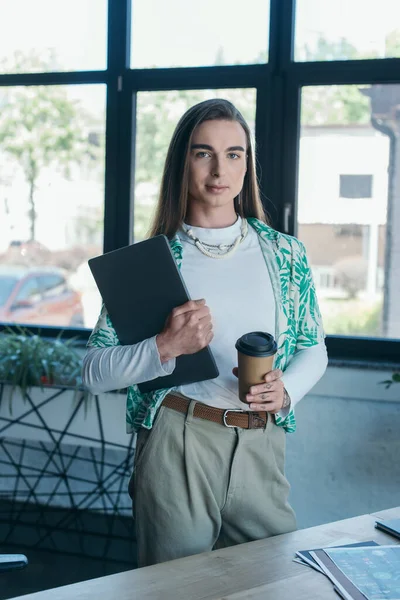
x=172, y=202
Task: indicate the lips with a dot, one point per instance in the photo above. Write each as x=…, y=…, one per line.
x=217, y=187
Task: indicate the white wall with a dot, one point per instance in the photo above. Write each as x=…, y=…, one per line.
x=344, y=458
x=328, y=152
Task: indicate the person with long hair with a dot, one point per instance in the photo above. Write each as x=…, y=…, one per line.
x=209, y=469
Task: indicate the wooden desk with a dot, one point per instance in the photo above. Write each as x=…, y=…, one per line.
x=262, y=569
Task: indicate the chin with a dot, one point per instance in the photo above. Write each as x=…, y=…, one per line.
x=218, y=200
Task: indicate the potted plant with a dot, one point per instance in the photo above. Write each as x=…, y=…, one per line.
x=40, y=382
x=28, y=360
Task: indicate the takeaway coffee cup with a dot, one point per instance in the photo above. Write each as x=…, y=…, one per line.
x=256, y=352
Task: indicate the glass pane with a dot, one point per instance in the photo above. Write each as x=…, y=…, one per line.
x=349, y=205
x=157, y=116
x=187, y=34
x=48, y=36
x=347, y=29
x=51, y=203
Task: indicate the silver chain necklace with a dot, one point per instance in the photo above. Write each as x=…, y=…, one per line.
x=215, y=250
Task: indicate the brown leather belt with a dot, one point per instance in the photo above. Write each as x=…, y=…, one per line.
x=229, y=417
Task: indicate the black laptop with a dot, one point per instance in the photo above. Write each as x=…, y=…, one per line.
x=140, y=285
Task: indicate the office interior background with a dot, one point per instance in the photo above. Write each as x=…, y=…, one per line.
x=90, y=93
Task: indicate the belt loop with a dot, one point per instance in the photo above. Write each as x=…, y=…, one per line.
x=256, y=420
x=267, y=421
x=189, y=414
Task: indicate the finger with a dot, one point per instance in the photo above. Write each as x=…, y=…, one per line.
x=262, y=406
x=273, y=386
x=255, y=390
x=264, y=397
x=188, y=306
x=204, y=317
x=235, y=371
x=206, y=330
x=210, y=336
x=270, y=407
x=273, y=375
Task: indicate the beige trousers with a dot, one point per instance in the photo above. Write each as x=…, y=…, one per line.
x=197, y=485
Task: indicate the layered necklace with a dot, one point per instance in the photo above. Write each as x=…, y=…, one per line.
x=219, y=250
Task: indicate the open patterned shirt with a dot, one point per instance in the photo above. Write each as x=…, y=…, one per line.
x=298, y=319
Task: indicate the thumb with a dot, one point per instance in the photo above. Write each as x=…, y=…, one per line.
x=201, y=301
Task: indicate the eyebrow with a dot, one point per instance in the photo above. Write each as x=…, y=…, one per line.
x=207, y=147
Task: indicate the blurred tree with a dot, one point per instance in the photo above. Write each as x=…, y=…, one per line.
x=392, y=43
x=325, y=49
x=354, y=317
x=41, y=126
x=334, y=105
x=339, y=104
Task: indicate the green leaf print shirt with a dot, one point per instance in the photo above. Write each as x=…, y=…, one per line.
x=298, y=319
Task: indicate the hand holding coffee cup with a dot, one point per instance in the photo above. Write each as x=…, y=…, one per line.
x=259, y=385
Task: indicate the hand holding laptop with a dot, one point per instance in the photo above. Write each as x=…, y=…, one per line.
x=187, y=330
x=145, y=296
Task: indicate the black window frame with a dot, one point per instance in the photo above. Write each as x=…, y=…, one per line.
x=278, y=85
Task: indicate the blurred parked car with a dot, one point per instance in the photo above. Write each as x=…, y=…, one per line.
x=40, y=296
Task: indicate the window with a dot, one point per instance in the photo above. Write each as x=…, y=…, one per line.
x=43, y=35
x=355, y=186
x=356, y=242
x=7, y=284
x=29, y=291
x=52, y=193
x=52, y=285
x=345, y=30
x=114, y=77
x=179, y=33
x=350, y=230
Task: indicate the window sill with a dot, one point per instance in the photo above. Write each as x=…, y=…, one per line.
x=364, y=364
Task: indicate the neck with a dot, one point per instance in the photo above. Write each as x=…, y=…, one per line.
x=211, y=218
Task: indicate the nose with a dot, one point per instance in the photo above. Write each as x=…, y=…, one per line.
x=217, y=167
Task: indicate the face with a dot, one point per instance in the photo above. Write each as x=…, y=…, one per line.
x=217, y=163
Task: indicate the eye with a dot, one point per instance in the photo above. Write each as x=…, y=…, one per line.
x=233, y=155
x=202, y=154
